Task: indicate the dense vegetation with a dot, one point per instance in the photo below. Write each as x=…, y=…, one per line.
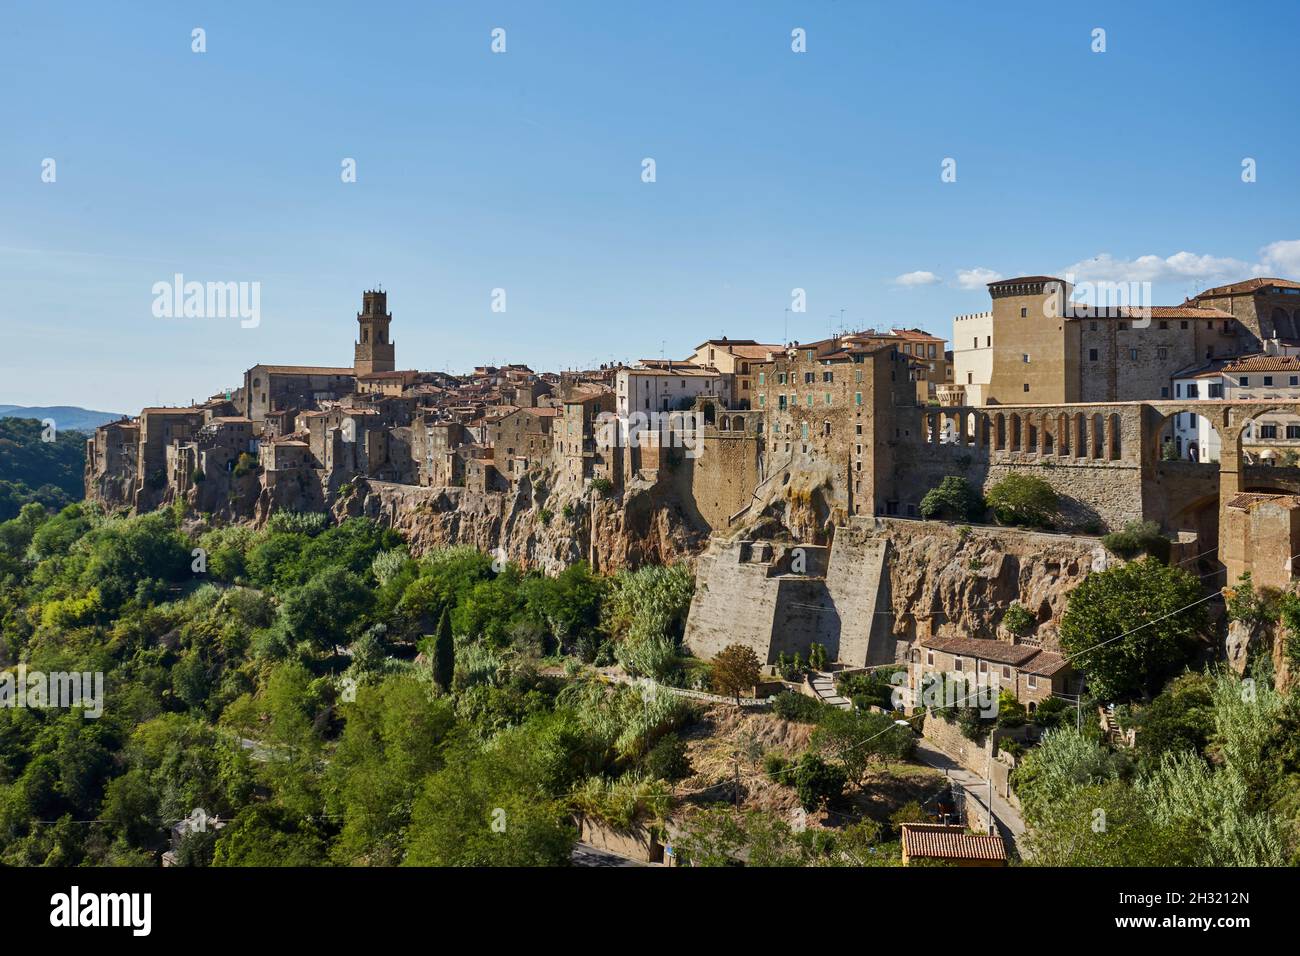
x=32, y=470
x=330, y=698
x=1213, y=781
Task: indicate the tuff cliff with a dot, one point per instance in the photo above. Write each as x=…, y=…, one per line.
x=535, y=525
x=882, y=584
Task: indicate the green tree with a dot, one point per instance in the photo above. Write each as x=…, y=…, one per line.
x=1022, y=499
x=954, y=500
x=735, y=668
x=1131, y=626
x=444, y=654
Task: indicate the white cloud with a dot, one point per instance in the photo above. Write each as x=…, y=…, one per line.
x=1280, y=260
x=976, y=278
x=1152, y=268
x=919, y=277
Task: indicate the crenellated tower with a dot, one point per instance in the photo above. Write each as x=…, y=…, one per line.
x=374, y=349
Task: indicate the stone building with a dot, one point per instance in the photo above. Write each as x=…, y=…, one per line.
x=374, y=350
x=736, y=358
x=830, y=410
x=1035, y=347
x=1026, y=671
x=1263, y=308
x=292, y=388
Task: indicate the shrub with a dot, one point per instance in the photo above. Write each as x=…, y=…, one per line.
x=197, y=476
x=1027, y=500
x=545, y=516
x=1138, y=537
x=817, y=782
x=1017, y=619
x=954, y=499
x=667, y=759
x=775, y=764
x=246, y=464
x=602, y=486
x=1011, y=713
x=735, y=668
x=1251, y=605
x=797, y=707
x=1051, y=713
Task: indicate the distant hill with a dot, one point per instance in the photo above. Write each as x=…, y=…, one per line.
x=33, y=470
x=67, y=417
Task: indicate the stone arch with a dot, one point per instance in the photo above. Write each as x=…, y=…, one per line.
x=1114, y=442
x=1282, y=326
x=1249, y=415
x=1097, y=440
x=1049, y=438
x=1063, y=434
x=710, y=413
x=1000, y=432
x=1080, y=435
x=1015, y=431
x=1203, y=448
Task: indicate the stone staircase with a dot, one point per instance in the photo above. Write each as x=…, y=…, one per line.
x=823, y=685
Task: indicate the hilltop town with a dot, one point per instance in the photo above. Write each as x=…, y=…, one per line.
x=744, y=452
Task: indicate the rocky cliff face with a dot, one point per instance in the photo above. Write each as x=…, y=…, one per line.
x=534, y=525
x=958, y=582
x=1244, y=642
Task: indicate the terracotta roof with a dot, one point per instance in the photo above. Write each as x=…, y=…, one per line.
x=998, y=651
x=1021, y=280
x=942, y=842
x=755, y=351
x=676, y=368
x=306, y=370
x=1249, y=285
x=1265, y=363
x=1045, y=664
x=919, y=334
x=1244, y=501
x=1079, y=311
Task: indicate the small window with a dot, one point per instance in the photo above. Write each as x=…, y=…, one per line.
x=1006, y=672
x=1182, y=324
x=929, y=658
x=1024, y=313
x=1092, y=355
x=984, y=667
x=1245, y=381
x=1132, y=355
x=1025, y=358
x=1268, y=379
x=1162, y=353
x=1032, y=681
x=1293, y=432
x=1026, y=386
x=957, y=664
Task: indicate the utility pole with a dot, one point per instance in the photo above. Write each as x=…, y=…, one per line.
x=990, y=777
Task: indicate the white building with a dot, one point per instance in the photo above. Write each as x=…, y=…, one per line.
x=667, y=387
x=1272, y=437
x=972, y=355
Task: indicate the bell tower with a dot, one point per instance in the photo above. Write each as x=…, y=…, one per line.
x=374, y=349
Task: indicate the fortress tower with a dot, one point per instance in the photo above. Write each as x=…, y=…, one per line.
x=374, y=349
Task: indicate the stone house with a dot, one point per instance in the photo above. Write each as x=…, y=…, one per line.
x=1025, y=670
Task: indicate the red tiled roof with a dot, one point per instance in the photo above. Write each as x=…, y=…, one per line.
x=1249, y=285
x=943, y=842
x=1264, y=363
x=1045, y=664
x=997, y=651
x=306, y=370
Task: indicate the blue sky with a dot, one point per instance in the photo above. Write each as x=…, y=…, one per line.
x=522, y=171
